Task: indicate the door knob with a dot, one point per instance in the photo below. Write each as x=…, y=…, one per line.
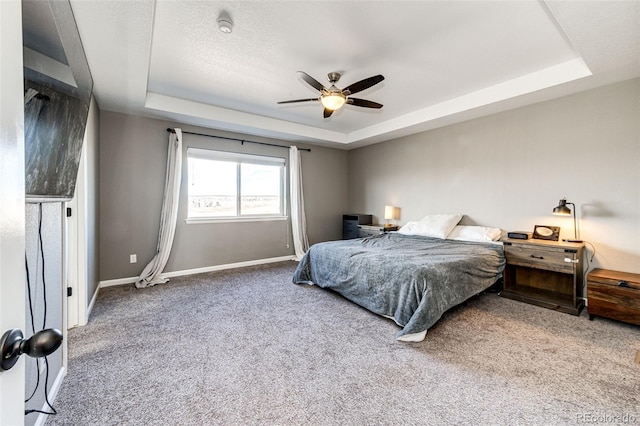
x=41, y=344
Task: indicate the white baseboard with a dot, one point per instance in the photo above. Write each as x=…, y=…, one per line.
x=90, y=307
x=118, y=281
x=42, y=418
x=131, y=280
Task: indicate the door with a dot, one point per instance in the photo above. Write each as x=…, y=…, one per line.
x=12, y=225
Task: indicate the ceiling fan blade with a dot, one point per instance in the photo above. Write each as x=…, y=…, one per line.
x=363, y=103
x=363, y=84
x=312, y=81
x=327, y=112
x=299, y=100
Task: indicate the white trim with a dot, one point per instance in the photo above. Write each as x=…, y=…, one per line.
x=119, y=281
x=44, y=199
x=201, y=114
x=42, y=418
x=64, y=227
x=131, y=280
x=192, y=220
x=71, y=276
x=83, y=243
x=49, y=67
x=90, y=307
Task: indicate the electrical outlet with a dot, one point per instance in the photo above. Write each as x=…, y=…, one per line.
x=133, y=258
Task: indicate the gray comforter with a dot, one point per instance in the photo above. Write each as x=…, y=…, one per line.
x=411, y=279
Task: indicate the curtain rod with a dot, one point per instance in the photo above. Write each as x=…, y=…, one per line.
x=242, y=141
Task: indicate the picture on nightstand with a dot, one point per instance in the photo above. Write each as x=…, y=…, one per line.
x=543, y=232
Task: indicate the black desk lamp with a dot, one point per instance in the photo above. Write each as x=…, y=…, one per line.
x=563, y=209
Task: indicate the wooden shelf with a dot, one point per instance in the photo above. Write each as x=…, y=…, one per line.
x=545, y=298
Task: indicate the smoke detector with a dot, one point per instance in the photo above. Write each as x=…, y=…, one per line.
x=225, y=25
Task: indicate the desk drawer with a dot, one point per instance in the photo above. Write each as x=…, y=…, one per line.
x=535, y=257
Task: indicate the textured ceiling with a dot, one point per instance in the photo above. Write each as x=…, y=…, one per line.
x=443, y=62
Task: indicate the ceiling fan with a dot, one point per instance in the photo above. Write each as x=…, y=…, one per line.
x=333, y=98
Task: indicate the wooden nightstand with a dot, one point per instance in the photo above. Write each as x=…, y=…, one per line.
x=544, y=273
x=369, y=230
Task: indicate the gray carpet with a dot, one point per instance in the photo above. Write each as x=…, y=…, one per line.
x=247, y=346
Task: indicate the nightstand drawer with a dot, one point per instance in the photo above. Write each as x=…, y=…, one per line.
x=550, y=259
x=364, y=232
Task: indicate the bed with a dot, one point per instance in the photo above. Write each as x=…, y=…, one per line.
x=412, y=279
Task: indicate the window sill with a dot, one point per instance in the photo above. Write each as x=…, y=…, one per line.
x=195, y=220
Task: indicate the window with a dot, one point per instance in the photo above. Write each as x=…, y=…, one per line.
x=231, y=185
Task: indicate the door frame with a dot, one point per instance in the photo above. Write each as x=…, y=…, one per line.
x=76, y=253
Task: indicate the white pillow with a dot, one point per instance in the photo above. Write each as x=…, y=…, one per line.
x=475, y=233
x=407, y=228
x=436, y=225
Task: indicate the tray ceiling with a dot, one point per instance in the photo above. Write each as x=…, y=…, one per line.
x=443, y=62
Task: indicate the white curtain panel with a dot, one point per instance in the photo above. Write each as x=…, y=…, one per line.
x=152, y=273
x=298, y=219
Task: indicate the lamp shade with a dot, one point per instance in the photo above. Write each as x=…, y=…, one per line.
x=390, y=212
x=562, y=208
x=333, y=101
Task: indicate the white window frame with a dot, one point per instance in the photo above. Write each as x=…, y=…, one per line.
x=239, y=159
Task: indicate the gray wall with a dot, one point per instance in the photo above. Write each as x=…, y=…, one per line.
x=509, y=170
x=133, y=153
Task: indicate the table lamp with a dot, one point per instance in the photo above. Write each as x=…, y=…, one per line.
x=390, y=214
x=563, y=210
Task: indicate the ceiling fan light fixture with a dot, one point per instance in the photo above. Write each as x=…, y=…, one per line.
x=333, y=98
x=333, y=101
